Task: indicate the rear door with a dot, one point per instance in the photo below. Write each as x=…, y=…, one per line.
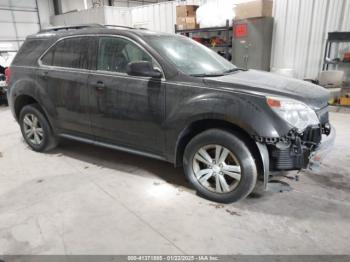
x=65, y=69
x=126, y=110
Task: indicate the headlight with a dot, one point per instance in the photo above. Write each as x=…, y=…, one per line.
x=294, y=112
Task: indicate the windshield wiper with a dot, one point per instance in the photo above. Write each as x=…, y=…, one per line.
x=234, y=70
x=219, y=74
x=206, y=75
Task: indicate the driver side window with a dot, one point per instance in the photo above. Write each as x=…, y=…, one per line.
x=114, y=54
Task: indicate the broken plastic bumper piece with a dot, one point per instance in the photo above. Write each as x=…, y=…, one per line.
x=322, y=150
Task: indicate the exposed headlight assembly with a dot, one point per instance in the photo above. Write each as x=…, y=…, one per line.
x=294, y=112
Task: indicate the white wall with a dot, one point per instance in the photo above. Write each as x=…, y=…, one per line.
x=78, y=5
x=93, y=15
x=117, y=16
x=18, y=18
x=46, y=10
x=102, y=15
x=158, y=17
x=71, y=5
x=126, y=3
x=300, y=33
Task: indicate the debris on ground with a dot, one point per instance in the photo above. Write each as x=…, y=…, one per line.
x=216, y=205
x=233, y=213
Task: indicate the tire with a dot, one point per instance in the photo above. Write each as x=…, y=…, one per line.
x=43, y=131
x=238, y=169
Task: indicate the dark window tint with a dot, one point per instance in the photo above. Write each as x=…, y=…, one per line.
x=71, y=52
x=115, y=54
x=30, y=51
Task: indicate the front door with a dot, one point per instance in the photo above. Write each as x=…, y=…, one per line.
x=126, y=110
x=64, y=70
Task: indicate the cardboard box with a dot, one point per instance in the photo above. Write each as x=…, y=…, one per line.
x=187, y=26
x=186, y=10
x=345, y=101
x=186, y=23
x=180, y=20
x=254, y=8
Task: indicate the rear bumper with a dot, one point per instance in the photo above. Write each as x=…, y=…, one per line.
x=322, y=150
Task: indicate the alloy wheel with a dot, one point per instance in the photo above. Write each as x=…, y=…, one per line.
x=33, y=129
x=216, y=168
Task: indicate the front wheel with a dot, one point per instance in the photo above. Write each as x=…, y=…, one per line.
x=220, y=166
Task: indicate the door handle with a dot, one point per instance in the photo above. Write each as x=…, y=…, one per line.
x=100, y=86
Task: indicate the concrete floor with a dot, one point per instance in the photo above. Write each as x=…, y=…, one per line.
x=81, y=199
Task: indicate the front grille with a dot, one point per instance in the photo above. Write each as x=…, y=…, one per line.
x=287, y=159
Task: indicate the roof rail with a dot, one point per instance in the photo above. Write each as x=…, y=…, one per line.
x=59, y=28
x=120, y=26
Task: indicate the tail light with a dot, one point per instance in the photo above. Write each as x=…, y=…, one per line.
x=7, y=75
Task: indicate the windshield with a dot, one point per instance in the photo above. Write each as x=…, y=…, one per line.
x=190, y=56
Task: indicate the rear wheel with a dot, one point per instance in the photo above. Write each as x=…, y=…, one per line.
x=35, y=129
x=220, y=166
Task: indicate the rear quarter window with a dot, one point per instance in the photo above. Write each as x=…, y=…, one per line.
x=30, y=52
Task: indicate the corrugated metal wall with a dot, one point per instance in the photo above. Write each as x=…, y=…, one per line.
x=117, y=16
x=158, y=17
x=101, y=15
x=18, y=18
x=300, y=33
x=93, y=15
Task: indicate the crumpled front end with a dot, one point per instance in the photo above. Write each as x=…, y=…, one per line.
x=301, y=150
x=322, y=150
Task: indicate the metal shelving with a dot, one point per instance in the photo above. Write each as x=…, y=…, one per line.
x=334, y=37
x=227, y=30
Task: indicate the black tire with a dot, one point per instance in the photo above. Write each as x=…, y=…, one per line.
x=3, y=99
x=48, y=141
x=248, y=168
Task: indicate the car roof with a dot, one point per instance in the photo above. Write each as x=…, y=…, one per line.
x=64, y=31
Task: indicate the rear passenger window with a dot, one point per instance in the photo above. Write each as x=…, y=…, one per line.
x=71, y=52
x=115, y=53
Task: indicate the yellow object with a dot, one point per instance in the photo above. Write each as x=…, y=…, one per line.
x=331, y=101
x=344, y=101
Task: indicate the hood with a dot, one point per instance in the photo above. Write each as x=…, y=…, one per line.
x=254, y=81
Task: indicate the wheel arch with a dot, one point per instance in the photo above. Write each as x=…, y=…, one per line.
x=202, y=125
x=24, y=100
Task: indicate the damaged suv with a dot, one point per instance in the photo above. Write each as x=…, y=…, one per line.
x=168, y=97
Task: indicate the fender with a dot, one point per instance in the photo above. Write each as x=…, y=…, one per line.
x=29, y=87
x=249, y=113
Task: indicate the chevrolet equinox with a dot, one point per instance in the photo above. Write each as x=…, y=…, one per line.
x=168, y=97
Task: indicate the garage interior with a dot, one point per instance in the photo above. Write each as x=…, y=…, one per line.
x=80, y=199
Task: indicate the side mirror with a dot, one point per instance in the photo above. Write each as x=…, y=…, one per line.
x=143, y=68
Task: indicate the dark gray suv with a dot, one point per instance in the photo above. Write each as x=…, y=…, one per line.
x=168, y=97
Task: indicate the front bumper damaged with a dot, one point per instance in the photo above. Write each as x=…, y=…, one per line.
x=305, y=151
x=316, y=157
